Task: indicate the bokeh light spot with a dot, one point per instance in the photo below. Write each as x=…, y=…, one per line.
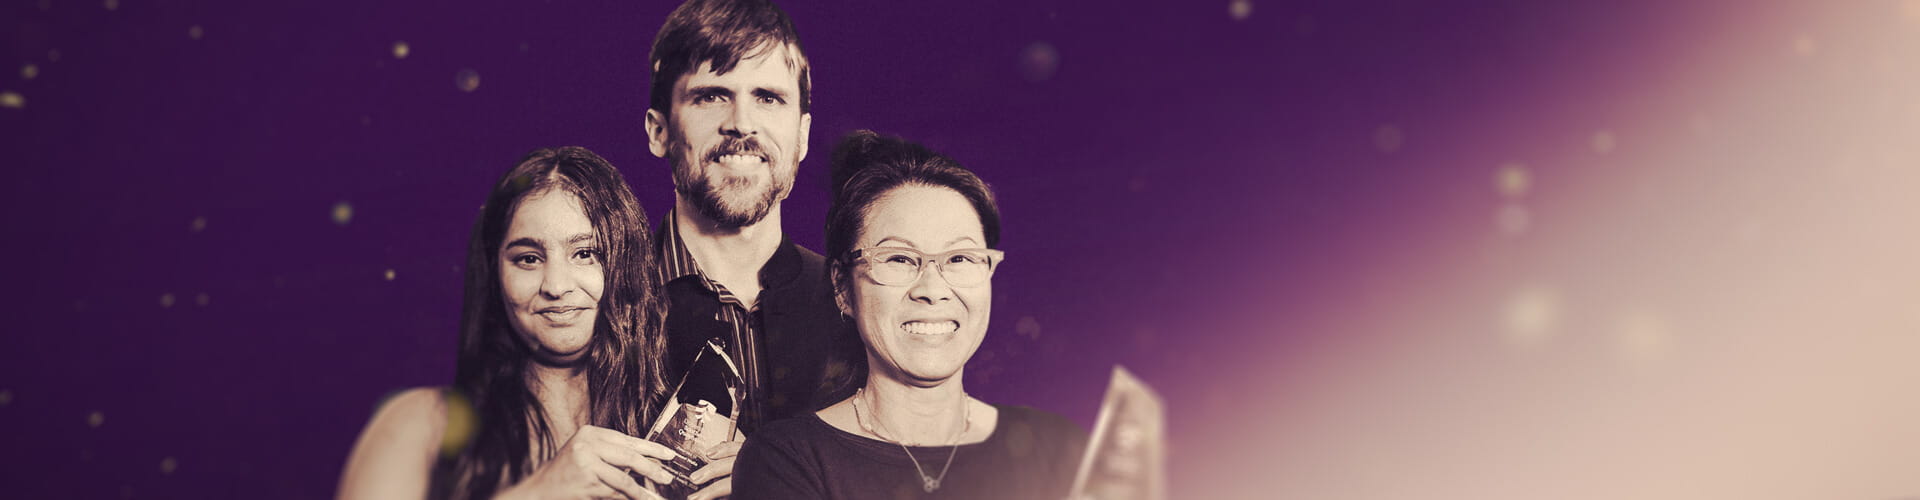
x=29, y=72
x=1028, y=327
x=461, y=424
x=1039, y=61
x=195, y=32
x=6, y=397
x=53, y=55
x=389, y=275
x=1513, y=219
x=11, y=99
x=199, y=224
x=1602, y=142
x=1240, y=9
x=1512, y=180
x=1388, y=138
x=1144, y=338
x=1805, y=45
x=96, y=419
x=1641, y=337
x=467, y=80
x=201, y=299
x=342, y=213
x=113, y=4
x=401, y=49
x=166, y=300
x=1531, y=315
x=168, y=465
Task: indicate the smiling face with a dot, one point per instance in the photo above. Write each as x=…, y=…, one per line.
x=550, y=275
x=921, y=333
x=735, y=139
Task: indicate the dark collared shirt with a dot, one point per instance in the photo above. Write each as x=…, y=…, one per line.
x=793, y=350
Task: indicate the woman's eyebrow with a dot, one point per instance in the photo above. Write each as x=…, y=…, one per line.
x=576, y=239
x=525, y=242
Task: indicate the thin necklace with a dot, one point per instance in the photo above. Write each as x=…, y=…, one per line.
x=929, y=483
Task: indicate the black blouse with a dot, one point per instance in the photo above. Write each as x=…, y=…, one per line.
x=1030, y=454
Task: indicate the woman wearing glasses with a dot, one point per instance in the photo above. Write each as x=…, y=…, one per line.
x=910, y=238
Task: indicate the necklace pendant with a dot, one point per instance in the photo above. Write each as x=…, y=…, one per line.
x=929, y=483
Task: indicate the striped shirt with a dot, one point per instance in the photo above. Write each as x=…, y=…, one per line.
x=678, y=266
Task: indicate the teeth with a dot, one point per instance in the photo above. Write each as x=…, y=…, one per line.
x=738, y=158
x=925, y=328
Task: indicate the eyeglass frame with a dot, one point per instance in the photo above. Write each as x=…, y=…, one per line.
x=939, y=261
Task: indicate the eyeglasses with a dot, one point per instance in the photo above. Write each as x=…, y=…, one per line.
x=897, y=266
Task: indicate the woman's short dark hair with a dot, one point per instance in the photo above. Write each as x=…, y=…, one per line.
x=622, y=361
x=868, y=165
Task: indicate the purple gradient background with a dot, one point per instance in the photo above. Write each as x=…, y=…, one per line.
x=1185, y=193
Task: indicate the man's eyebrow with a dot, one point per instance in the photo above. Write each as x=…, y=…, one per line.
x=768, y=92
x=706, y=90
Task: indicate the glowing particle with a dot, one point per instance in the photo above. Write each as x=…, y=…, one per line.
x=1388, y=138
x=195, y=32
x=1805, y=45
x=29, y=71
x=467, y=80
x=113, y=4
x=461, y=425
x=1700, y=124
x=199, y=224
x=1240, y=9
x=1513, y=219
x=342, y=213
x=366, y=120
x=401, y=49
x=168, y=465
x=1530, y=316
x=1641, y=336
x=1144, y=337
x=1602, y=142
x=1028, y=327
x=1512, y=180
x=96, y=418
x=389, y=275
x=1039, y=61
x=53, y=55
x=11, y=99
x=166, y=300
x=201, y=299
x=524, y=47
x=6, y=397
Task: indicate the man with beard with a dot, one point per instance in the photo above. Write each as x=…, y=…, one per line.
x=730, y=109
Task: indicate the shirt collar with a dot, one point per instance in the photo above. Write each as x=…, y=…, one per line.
x=677, y=262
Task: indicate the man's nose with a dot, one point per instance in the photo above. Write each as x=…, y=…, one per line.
x=740, y=121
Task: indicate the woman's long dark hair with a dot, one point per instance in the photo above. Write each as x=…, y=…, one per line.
x=622, y=363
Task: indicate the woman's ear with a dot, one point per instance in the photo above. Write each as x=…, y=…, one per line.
x=835, y=278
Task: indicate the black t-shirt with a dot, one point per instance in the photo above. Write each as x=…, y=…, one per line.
x=1031, y=454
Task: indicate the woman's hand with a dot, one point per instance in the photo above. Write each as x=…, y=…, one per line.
x=718, y=474
x=594, y=464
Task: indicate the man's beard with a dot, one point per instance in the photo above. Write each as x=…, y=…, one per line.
x=731, y=203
